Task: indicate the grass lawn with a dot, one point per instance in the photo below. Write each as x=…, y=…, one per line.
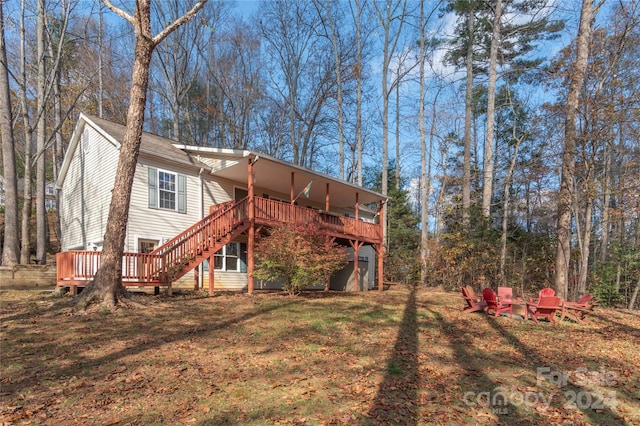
x=404, y=356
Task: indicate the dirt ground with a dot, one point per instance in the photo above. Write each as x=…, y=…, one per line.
x=404, y=356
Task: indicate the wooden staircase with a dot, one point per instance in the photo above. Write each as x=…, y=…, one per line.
x=187, y=250
x=170, y=261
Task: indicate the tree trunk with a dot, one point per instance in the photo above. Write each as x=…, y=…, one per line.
x=466, y=172
x=58, y=150
x=584, y=249
x=634, y=296
x=100, y=65
x=397, y=171
x=487, y=189
x=338, y=71
x=505, y=208
x=25, y=229
x=563, y=250
x=106, y=287
x=359, y=89
x=10, y=250
x=41, y=138
x=606, y=210
x=424, y=196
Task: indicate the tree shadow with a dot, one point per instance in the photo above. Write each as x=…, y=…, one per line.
x=478, y=390
x=148, y=338
x=568, y=391
x=396, y=401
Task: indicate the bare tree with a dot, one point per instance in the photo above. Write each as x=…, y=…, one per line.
x=302, y=73
x=331, y=26
x=391, y=17
x=563, y=250
x=25, y=245
x=10, y=249
x=106, y=287
x=487, y=188
x=357, y=18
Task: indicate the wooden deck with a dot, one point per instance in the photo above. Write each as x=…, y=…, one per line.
x=187, y=250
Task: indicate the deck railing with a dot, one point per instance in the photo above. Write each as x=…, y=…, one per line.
x=80, y=266
x=172, y=259
x=272, y=212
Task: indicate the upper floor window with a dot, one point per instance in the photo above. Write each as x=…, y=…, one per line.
x=167, y=190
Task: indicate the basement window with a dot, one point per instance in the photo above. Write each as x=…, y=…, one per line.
x=231, y=258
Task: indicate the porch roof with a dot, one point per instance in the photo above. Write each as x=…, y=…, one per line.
x=276, y=175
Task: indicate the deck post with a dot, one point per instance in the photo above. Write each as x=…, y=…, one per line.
x=326, y=199
x=356, y=249
x=196, y=278
x=252, y=229
x=211, y=275
x=380, y=249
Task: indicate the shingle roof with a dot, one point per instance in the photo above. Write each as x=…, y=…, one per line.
x=151, y=144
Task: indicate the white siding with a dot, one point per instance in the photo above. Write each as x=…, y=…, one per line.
x=86, y=192
x=145, y=222
x=215, y=191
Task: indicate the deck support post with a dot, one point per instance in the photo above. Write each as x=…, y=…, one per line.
x=211, y=275
x=326, y=199
x=252, y=228
x=380, y=248
x=196, y=278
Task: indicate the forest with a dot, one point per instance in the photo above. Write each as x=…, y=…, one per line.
x=505, y=133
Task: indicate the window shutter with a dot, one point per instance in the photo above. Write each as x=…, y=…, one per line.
x=182, y=194
x=152, y=180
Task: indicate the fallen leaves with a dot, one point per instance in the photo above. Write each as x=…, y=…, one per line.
x=375, y=358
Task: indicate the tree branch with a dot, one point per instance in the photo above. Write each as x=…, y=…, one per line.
x=175, y=24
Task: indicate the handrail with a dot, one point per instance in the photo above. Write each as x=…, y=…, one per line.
x=272, y=211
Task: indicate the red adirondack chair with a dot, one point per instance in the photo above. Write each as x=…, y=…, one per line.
x=505, y=295
x=544, y=292
x=493, y=304
x=471, y=292
x=474, y=303
x=547, y=308
x=577, y=310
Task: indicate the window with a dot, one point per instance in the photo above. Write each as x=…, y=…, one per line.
x=232, y=258
x=146, y=245
x=167, y=190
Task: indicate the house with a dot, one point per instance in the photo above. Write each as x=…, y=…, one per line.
x=193, y=207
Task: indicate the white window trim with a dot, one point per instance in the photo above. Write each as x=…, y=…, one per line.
x=180, y=192
x=175, y=191
x=137, y=238
x=223, y=255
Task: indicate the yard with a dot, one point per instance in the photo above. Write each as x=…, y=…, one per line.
x=404, y=356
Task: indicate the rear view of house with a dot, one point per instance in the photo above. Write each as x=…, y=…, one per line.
x=195, y=212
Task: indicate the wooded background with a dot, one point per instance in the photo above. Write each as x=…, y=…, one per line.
x=460, y=111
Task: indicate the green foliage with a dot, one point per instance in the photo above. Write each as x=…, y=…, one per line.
x=459, y=258
x=402, y=263
x=614, y=280
x=299, y=255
